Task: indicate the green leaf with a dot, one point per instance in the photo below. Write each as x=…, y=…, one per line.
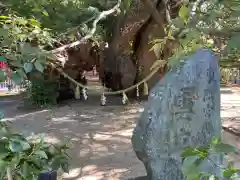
x=56, y=164
x=126, y=4
x=15, y=146
x=52, y=150
x=158, y=47
x=28, y=49
x=25, y=145
x=28, y=67
x=25, y=169
x=38, y=66
x=3, y=151
x=21, y=21
x=233, y=43
x=16, y=77
x=203, y=176
x=212, y=177
x=3, y=59
x=36, y=31
x=189, y=152
x=4, y=17
x=6, y=41
x=229, y=172
x=176, y=58
x=16, y=158
x=224, y=148
x=45, y=13
x=216, y=140
x=2, y=75
x=17, y=30
x=12, y=57
x=17, y=137
x=190, y=168
x=42, y=57
x=4, y=131
x=2, y=165
x=17, y=64
x=22, y=37
x=21, y=73
x=41, y=154
x=184, y=13
x=4, y=33
x=34, y=22
x=65, y=168
x=65, y=165
x=178, y=22
x=18, y=145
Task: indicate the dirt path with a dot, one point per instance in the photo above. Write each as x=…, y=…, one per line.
x=101, y=135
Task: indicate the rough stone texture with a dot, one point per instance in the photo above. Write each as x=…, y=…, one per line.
x=183, y=110
x=140, y=178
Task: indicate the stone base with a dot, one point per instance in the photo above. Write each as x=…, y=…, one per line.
x=140, y=178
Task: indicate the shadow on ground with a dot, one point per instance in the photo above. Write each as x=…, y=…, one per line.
x=100, y=136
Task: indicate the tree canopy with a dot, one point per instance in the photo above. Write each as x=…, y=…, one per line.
x=28, y=27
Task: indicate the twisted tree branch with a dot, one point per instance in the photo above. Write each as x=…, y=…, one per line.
x=154, y=12
x=93, y=30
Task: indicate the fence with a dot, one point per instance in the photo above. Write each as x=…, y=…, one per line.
x=9, y=85
x=230, y=75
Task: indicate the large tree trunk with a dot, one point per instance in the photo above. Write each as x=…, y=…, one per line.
x=151, y=18
x=144, y=57
x=112, y=66
x=118, y=66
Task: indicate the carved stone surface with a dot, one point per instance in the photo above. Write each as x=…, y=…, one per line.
x=183, y=110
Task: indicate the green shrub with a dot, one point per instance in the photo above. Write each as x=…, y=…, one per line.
x=22, y=159
x=41, y=93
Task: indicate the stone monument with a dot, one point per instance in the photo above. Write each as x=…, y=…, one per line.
x=183, y=110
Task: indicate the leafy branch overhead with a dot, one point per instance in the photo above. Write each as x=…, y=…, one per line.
x=203, y=24
x=27, y=41
x=28, y=30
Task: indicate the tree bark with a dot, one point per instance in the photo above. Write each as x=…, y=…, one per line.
x=156, y=18
x=152, y=29
x=112, y=76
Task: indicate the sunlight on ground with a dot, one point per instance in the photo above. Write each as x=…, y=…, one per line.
x=6, y=93
x=26, y=115
x=96, y=174
x=101, y=136
x=47, y=138
x=230, y=104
